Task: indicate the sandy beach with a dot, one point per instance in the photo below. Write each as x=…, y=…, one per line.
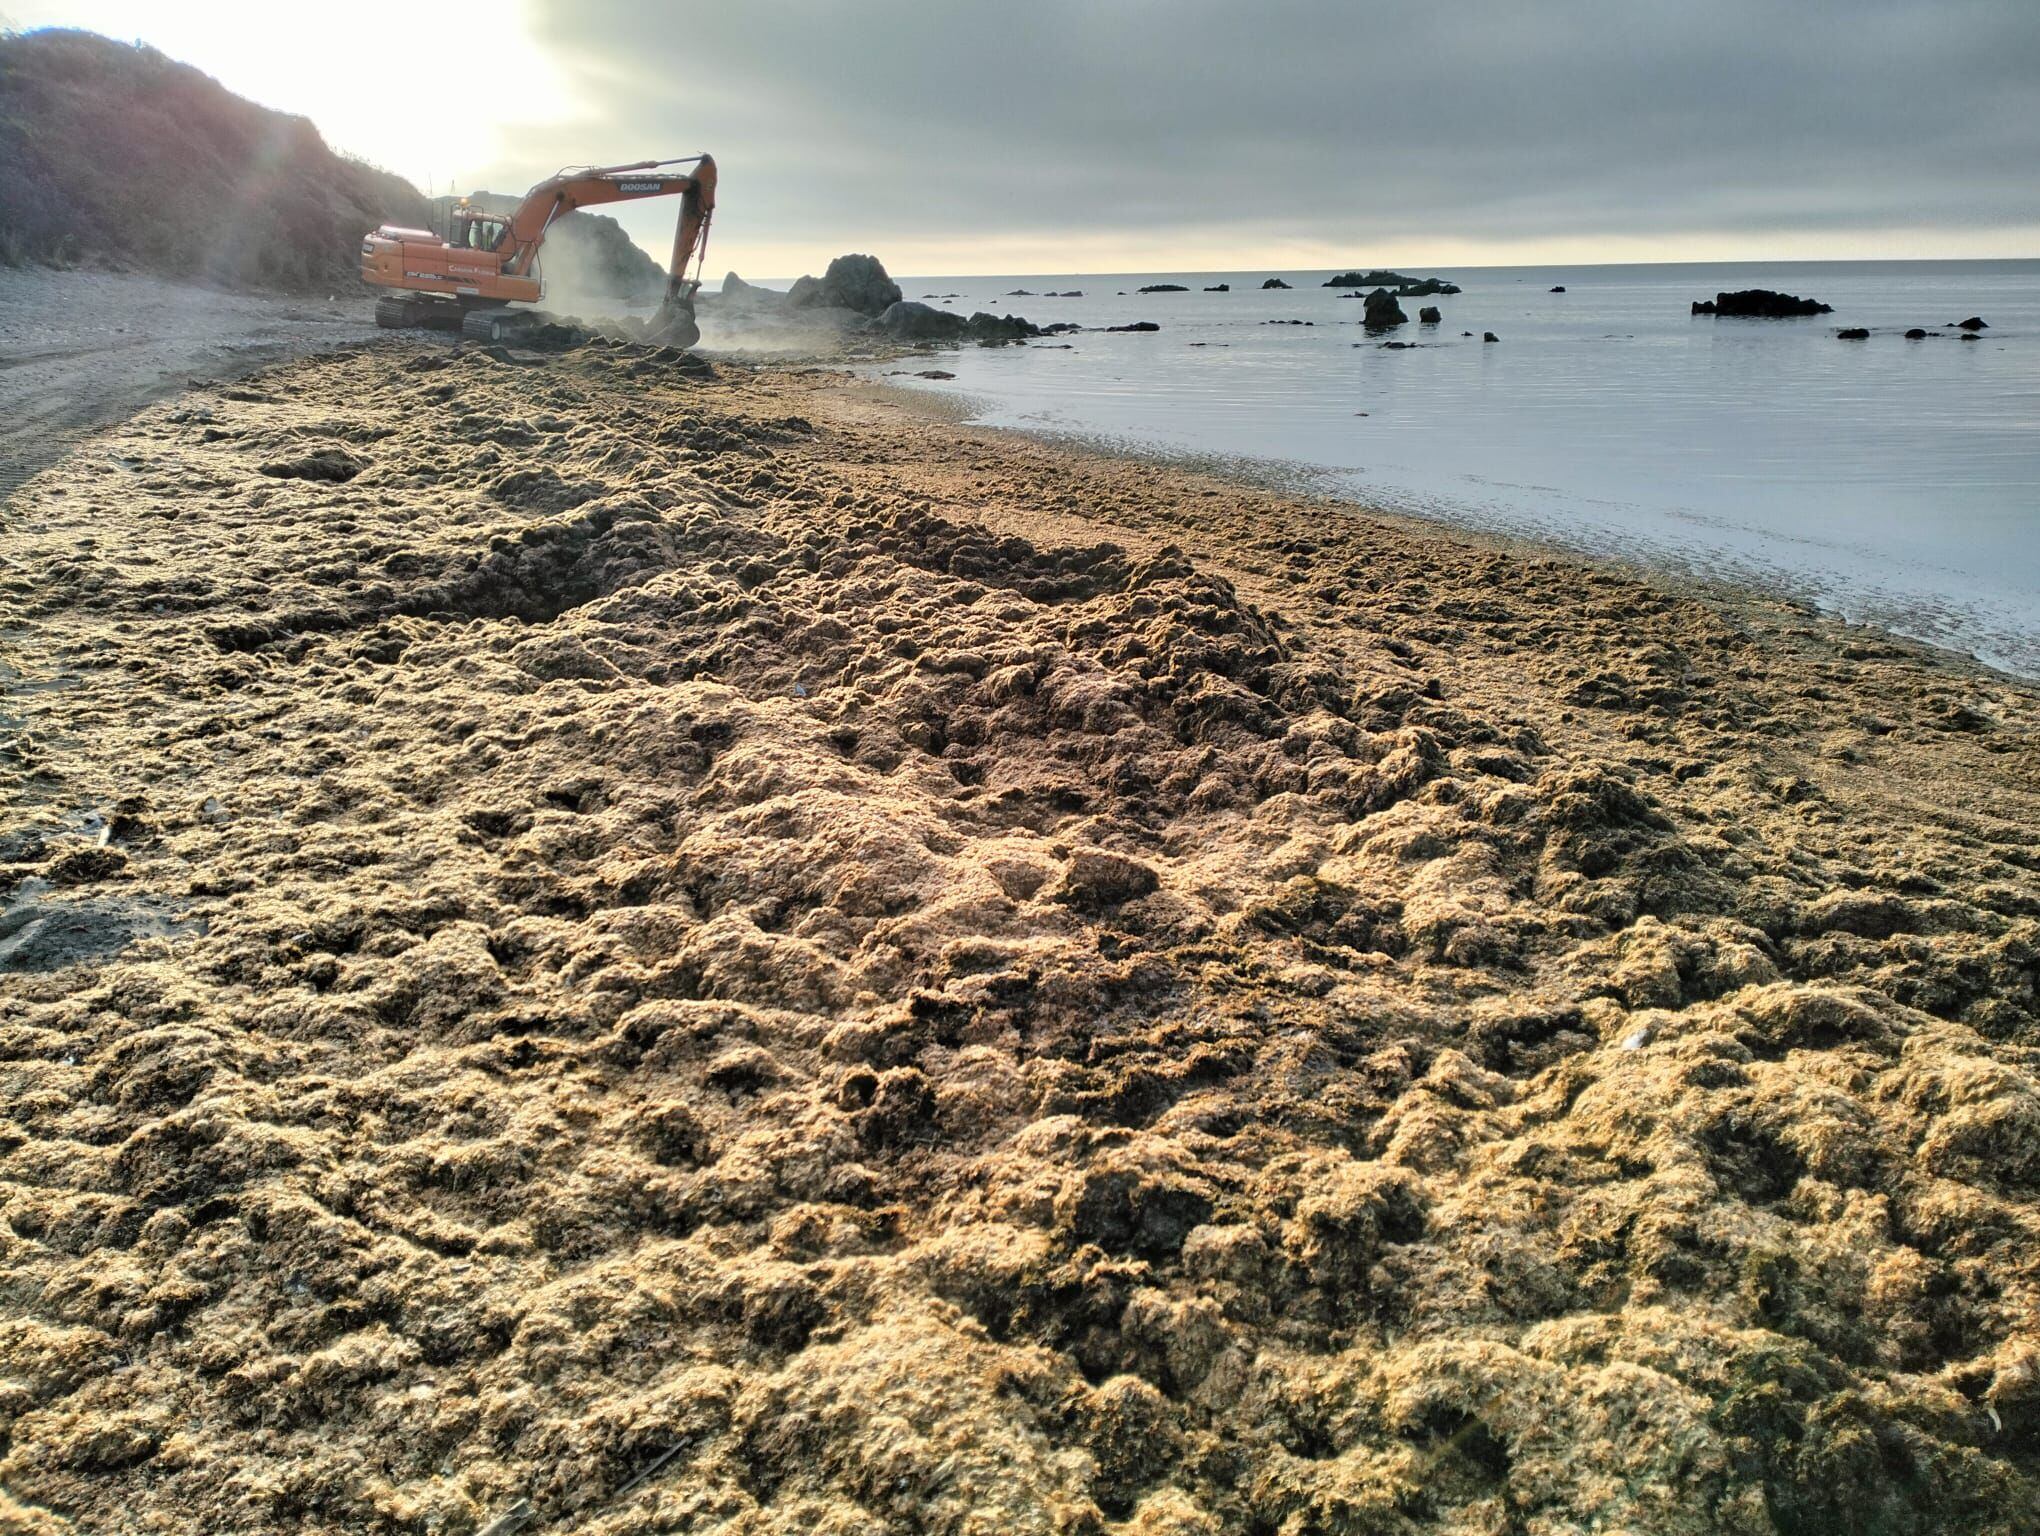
x=707, y=949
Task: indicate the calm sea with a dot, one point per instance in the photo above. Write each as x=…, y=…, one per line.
x=1894, y=482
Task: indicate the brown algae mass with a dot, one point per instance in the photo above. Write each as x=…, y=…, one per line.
x=903, y=980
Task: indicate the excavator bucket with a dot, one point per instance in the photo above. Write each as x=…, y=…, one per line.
x=674, y=325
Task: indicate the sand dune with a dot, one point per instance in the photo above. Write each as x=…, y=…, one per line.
x=567, y=912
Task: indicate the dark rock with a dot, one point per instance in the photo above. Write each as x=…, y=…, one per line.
x=1429, y=315
x=1383, y=312
x=1221, y=288
x=1761, y=304
x=989, y=328
x=1969, y=336
x=1165, y=288
x=1915, y=334
x=1022, y=293
x=933, y=373
x=1138, y=325
x=1404, y=287
x=1559, y=289
x=739, y=295
x=1489, y=336
x=852, y=282
x=909, y=321
x=1853, y=333
x=1274, y=282
x=1074, y=293
x=1973, y=323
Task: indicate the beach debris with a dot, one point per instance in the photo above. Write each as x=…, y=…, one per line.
x=1636, y=1039
x=1853, y=333
x=1098, y=877
x=651, y=1469
x=1273, y=282
x=511, y=1521
x=334, y=465
x=1760, y=304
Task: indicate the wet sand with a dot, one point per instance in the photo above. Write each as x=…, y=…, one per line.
x=716, y=954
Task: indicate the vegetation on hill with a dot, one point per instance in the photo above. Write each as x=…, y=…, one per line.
x=116, y=154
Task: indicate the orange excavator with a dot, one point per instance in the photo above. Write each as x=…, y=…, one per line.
x=487, y=262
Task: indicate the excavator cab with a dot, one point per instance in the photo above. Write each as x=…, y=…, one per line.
x=472, y=230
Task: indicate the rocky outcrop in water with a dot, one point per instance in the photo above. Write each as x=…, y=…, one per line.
x=1276, y=282
x=1760, y=304
x=1403, y=287
x=1165, y=288
x=911, y=321
x=852, y=282
x=1383, y=312
x=1429, y=315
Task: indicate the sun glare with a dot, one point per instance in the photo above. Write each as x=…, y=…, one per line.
x=436, y=112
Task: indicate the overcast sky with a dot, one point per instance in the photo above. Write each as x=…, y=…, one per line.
x=1100, y=135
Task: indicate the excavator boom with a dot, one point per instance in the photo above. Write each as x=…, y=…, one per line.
x=488, y=262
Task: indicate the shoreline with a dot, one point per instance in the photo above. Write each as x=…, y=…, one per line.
x=555, y=908
x=1292, y=478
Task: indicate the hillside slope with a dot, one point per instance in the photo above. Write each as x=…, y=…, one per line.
x=121, y=156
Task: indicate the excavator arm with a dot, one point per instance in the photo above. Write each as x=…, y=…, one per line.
x=587, y=187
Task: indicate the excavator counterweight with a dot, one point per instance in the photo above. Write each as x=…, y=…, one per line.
x=486, y=263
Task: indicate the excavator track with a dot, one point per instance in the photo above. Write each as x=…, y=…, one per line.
x=403, y=311
x=496, y=324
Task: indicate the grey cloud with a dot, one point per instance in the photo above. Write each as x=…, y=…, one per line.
x=1482, y=119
